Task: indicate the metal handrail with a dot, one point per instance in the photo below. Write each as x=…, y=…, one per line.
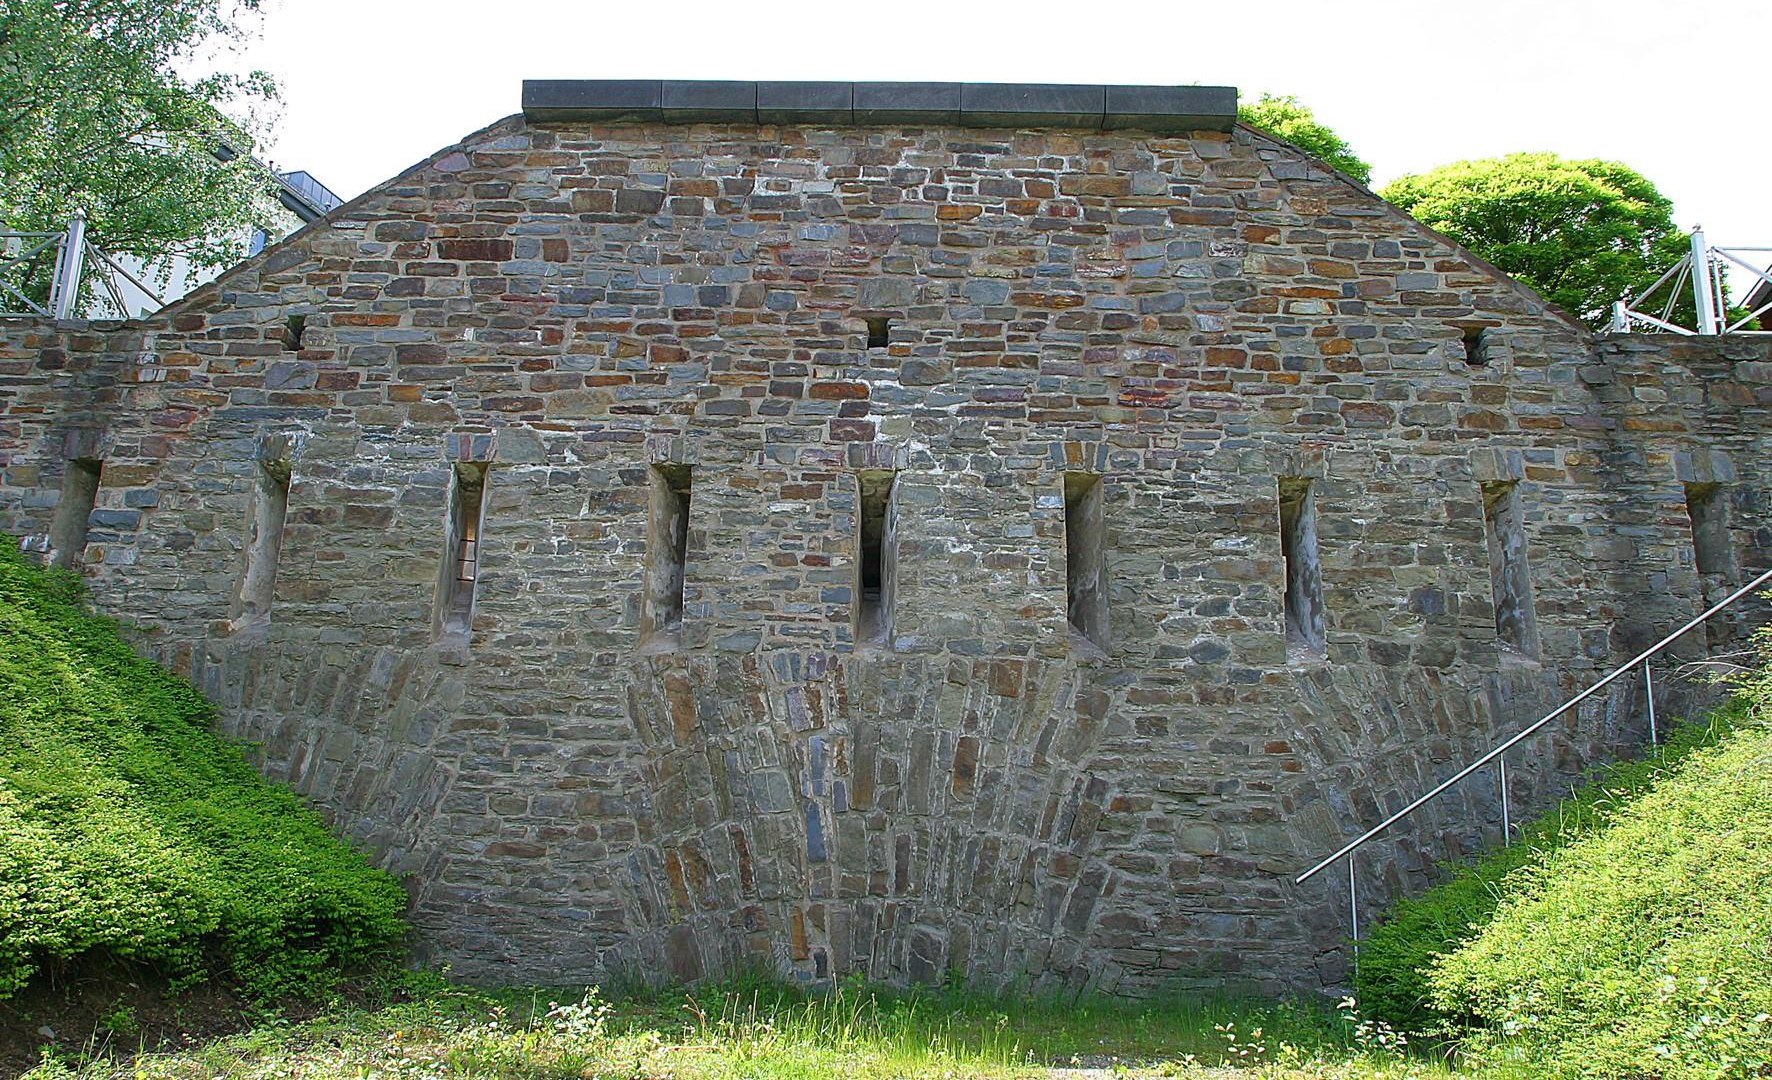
x=1641, y=658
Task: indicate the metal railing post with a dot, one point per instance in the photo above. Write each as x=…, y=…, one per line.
x=65, y=290
x=1507, y=826
x=1353, y=912
x=1703, y=285
x=1649, y=692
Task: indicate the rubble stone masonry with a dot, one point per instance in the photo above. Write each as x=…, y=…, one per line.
x=839, y=716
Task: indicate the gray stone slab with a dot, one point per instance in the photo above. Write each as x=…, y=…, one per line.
x=1038, y=104
x=610, y=100
x=806, y=103
x=1171, y=108
x=907, y=103
x=1149, y=108
x=698, y=101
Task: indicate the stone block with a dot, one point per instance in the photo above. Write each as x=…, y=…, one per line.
x=1032, y=105
x=1170, y=109
x=886, y=294
x=890, y=103
x=1704, y=465
x=474, y=250
x=638, y=201
x=709, y=102
x=822, y=103
x=599, y=100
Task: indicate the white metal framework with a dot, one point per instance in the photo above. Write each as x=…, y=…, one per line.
x=20, y=251
x=1703, y=269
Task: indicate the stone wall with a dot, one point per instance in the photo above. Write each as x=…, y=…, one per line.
x=587, y=312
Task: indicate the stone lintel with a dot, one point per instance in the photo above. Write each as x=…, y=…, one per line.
x=844, y=104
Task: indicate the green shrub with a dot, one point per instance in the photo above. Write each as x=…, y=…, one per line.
x=1645, y=948
x=130, y=830
x=1391, y=983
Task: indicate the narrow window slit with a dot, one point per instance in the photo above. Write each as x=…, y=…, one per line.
x=1510, y=574
x=1476, y=346
x=1084, y=561
x=461, y=558
x=1304, y=573
x=1708, y=508
x=879, y=333
x=264, y=540
x=877, y=549
x=293, y=329
x=667, y=553
x=67, y=532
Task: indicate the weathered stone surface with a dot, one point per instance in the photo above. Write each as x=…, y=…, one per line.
x=582, y=308
x=1168, y=109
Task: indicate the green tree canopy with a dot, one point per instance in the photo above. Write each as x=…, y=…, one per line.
x=1582, y=233
x=97, y=112
x=1287, y=118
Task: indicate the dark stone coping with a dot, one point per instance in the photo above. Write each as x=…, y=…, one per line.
x=846, y=104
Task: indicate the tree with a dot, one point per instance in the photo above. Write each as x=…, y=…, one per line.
x=97, y=113
x=1582, y=233
x=1287, y=118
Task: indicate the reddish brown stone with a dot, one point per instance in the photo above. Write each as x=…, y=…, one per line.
x=837, y=390
x=852, y=430
x=474, y=250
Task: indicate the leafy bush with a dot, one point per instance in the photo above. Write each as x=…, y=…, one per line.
x=1644, y=949
x=1392, y=980
x=129, y=830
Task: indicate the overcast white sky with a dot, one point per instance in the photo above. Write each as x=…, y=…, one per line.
x=1675, y=88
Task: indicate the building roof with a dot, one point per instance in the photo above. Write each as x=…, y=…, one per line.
x=305, y=196
x=1144, y=108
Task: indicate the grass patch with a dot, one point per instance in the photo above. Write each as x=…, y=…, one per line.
x=765, y=1030
x=130, y=832
x=1643, y=948
x=1397, y=956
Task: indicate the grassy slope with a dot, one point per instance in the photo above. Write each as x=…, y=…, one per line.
x=129, y=831
x=1391, y=982
x=1644, y=949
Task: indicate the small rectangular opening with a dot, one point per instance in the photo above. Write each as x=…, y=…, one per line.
x=1708, y=508
x=879, y=332
x=1084, y=562
x=264, y=540
x=461, y=554
x=876, y=570
x=667, y=553
x=67, y=532
x=1304, y=573
x=293, y=329
x=1510, y=573
x=1476, y=346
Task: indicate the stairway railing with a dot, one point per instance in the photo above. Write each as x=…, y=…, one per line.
x=1642, y=660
